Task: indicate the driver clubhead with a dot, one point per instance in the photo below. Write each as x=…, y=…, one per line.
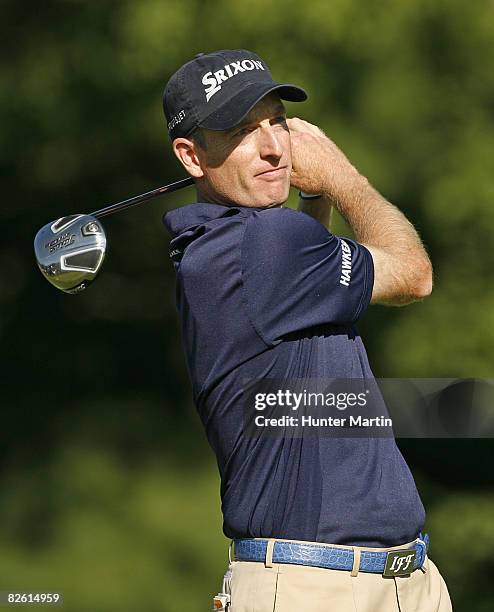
x=70, y=251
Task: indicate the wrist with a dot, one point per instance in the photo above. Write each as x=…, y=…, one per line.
x=309, y=196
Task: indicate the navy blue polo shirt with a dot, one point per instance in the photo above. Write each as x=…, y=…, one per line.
x=263, y=293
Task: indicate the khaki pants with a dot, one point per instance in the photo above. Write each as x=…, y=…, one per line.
x=255, y=587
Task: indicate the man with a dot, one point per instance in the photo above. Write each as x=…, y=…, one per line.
x=265, y=292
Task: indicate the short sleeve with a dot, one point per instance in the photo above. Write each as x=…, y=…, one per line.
x=297, y=275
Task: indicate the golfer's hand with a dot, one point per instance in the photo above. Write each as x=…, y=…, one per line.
x=318, y=165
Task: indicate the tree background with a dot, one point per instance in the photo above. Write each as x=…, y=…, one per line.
x=109, y=491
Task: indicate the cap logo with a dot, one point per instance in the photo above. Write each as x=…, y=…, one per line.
x=178, y=118
x=214, y=79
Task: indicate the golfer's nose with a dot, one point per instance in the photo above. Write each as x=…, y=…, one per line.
x=270, y=145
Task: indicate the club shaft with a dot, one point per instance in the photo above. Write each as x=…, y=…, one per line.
x=149, y=195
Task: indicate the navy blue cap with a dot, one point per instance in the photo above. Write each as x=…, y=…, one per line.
x=217, y=90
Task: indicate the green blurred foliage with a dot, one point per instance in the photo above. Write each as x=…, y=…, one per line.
x=109, y=491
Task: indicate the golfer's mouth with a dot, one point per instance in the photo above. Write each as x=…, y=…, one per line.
x=273, y=173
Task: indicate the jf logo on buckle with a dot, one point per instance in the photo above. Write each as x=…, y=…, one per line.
x=399, y=563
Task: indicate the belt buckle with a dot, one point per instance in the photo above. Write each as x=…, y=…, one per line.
x=399, y=562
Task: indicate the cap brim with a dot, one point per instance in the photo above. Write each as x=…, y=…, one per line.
x=233, y=110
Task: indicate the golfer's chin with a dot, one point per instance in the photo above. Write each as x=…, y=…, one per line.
x=257, y=194
x=273, y=194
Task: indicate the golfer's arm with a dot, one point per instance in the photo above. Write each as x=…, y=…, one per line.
x=402, y=269
x=320, y=209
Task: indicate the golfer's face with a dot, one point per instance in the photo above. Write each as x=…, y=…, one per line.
x=250, y=165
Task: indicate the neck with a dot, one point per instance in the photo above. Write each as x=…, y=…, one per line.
x=208, y=195
x=211, y=198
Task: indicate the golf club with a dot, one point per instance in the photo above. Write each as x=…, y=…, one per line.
x=70, y=251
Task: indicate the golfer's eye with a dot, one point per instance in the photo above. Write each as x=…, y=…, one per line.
x=243, y=131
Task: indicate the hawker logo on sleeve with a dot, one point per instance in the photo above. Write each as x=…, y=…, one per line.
x=214, y=79
x=346, y=264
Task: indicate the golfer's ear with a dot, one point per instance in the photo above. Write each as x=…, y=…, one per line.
x=186, y=152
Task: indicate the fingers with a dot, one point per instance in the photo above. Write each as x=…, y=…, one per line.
x=300, y=126
x=318, y=165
